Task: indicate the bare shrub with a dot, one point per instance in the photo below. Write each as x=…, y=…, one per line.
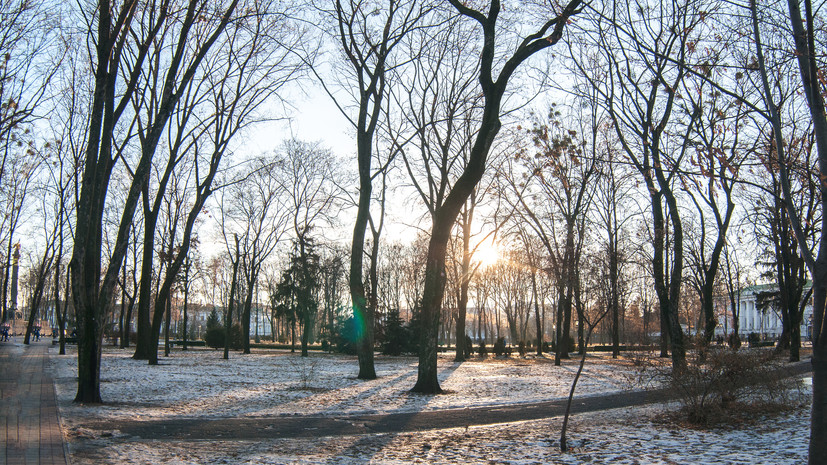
x=720, y=385
x=305, y=369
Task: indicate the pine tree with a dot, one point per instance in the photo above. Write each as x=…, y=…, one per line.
x=297, y=293
x=214, y=337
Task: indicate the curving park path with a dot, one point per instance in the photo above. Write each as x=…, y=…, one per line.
x=301, y=426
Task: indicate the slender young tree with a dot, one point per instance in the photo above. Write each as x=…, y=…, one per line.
x=54, y=216
x=719, y=155
x=554, y=199
x=369, y=54
x=255, y=211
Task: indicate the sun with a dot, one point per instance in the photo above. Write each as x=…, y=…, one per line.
x=487, y=253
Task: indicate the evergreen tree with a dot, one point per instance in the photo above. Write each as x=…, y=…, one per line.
x=214, y=337
x=297, y=292
x=395, y=334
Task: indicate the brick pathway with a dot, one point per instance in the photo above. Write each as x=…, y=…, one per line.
x=29, y=425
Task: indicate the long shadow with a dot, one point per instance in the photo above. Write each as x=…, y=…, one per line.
x=335, y=408
x=401, y=419
x=392, y=423
x=259, y=427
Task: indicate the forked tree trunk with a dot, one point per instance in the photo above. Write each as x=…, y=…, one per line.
x=445, y=216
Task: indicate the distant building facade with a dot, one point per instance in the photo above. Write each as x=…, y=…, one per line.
x=758, y=313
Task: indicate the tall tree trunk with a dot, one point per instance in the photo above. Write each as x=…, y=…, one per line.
x=363, y=314
x=538, y=321
x=307, y=328
x=676, y=338
x=247, y=313
x=186, y=301
x=465, y=280
x=60, y=313
x=228, y=320
x=614, y=304
x=561, y=346
x=818, y=414
x=122, y=314
x=143, y=336
x=427, y=381
x=167, y=324
x=293, y=335
x=127, y=329
x=568, y=341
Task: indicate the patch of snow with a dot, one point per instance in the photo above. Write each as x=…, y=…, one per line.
x=201, y=384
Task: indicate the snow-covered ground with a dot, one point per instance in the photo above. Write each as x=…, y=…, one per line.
x=201, y=384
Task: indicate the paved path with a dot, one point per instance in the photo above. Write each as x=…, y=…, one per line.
x=29, y=424
x=315, y=426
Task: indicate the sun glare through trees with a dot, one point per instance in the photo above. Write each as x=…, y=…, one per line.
x=551, y=182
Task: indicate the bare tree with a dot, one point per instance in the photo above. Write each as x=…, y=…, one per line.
x=493, y=86
x=778, y=250
x=308, y=175
x=553, y=199
x=53, y=190
x=442, y=108
x=644, y=71
x=719, y=155
x=30, y=58
x=15, y=193
x=113, y=28
x=803, y=28
x=464, y=263
x=511, y=290
x=248, y=68
x=68, y=126
x=255, y=215
x=613, y=213
x=367, y=33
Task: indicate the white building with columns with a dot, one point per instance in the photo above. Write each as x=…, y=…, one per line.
x=764, y=320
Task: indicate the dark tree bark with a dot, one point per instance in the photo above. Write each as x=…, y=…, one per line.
x=228, y=317
x=186, y=289
x=733, y=285
x=804, y=35
x=369, y=57
x=443, y=219
x=93, y=295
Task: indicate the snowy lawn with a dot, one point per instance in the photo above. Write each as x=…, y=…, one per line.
x=201, y=384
